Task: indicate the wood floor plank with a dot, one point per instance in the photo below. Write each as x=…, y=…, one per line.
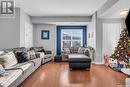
x=59, y=75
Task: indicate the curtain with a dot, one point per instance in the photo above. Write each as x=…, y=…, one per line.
x=111, y=35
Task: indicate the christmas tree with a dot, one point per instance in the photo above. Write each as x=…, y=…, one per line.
x=122, y=51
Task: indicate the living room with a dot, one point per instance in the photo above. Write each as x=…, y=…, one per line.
x=64, y=43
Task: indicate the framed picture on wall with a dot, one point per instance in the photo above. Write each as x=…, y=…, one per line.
x=45, y=34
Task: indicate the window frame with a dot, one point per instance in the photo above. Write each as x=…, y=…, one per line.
x=71, y=31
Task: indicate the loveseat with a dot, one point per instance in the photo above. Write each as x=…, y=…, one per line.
x=16, y=69
x=88, y=51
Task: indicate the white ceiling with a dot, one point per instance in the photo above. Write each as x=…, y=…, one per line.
x=60, y=7
x=114, y=11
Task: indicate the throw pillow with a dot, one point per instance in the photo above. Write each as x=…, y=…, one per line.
x=66, y=50
x=22, y=56
x=31, y=54
x=8, y=59
x=81, y=50
x=71, y=49
x=2, y=70
x=1, y=52
x=42, y=50
x=86, y=52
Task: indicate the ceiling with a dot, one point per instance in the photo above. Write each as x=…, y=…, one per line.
x=114, y=11
x=60, y=7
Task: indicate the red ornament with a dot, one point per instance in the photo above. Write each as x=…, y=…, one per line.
x=124, y=45
x=128, y=52
x=118, y=47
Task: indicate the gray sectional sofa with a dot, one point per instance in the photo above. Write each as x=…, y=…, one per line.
x=16, y=74
x=26, y=71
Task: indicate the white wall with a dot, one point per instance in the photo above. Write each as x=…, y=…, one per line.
x=91, y=40
x=47, y=44
x=26, y=30
x=12, y=30
x=28, y=35
x=9, y=31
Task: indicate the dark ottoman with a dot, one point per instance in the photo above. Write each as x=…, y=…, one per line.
x=79, y=61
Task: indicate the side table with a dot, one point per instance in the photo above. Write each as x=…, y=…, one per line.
x=58, y=58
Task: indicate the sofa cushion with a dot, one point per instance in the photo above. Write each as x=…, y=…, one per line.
x=8, y=50
x=8, y=59
x=36, y=49
x=26, y=66
x=73, y=49
x=27, y=71
x=10, y=77
x=19, y=49
x=48, y=52
x=23, y=66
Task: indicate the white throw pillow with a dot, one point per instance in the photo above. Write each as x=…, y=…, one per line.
x=1, y=52
x=8, y=59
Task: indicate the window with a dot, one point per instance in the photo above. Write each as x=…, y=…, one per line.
x=71, y=38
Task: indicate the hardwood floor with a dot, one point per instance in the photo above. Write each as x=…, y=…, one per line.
x=59, y=75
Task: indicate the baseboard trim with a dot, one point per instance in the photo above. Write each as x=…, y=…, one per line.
x=98, y=63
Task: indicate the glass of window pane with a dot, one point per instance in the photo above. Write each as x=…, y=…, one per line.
x=66, y=44
x=76, y=36
x=76, y=43
x=66, y=36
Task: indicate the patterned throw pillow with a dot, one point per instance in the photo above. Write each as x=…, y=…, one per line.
x=31, y=55
x=67, y=50
x=81, y=50
x=87, y=53
x=8, y=59
x=2, y=70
